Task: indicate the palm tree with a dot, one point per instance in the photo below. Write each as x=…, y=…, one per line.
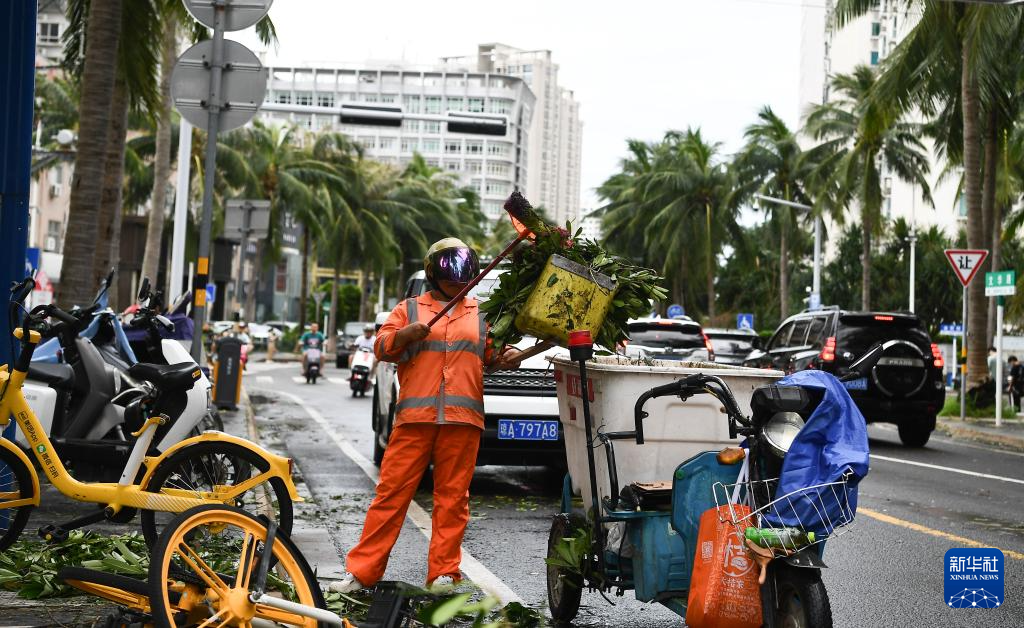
x=857, y=136
x=266, y=162
x=99, y=69
x=966, y=43
x=772, y=163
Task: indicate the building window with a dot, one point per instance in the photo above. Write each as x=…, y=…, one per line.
x=474, y=147
x=49, y=33
x=452, y=166
x=368, y=141
x=386, y=143
x=323, y=122
x=433, y=161
x=284, y=98
x=370, y=98
x=281, y=277
x=325, y=100
x=52, y=242
x=432, y=146
x=432, y=127
x=410, y=144
x=413, y=126
x=387, y=97
x=304, y=98
x=496, y=188
x=456, y=104
x=432, y=104
x=473, y=166
x=876, y=29
x=500, y=105
x=411, y=104
x=412, y=80
x=497, y=150
x=453, y=146
x=498, y=169
x=476, y=105
x=874, y=57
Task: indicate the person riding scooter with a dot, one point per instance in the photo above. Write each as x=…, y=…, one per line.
x=312, y=339
x=365, y=341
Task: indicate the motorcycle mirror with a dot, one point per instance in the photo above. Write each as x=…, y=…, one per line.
x=164, y=322
x=144, y=289
x=862, y=367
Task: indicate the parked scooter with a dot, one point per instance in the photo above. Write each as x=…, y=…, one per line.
x=660, y=523
x=312, y=365
x=362, y=367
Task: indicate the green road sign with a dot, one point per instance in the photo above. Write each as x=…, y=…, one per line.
x=1000, y=283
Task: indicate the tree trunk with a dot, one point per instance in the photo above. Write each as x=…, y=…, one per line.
x=78, y=269
x=304, y=282
x=162, y=157
x=783, y=271
x=865, y=260
x=977, y=370
x=332, y=320
x=711, y=266
x=362, y=294
x=988, y=203
x=107, y=254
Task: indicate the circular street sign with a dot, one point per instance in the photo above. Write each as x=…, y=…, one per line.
x=238, y=14
x=243, y=84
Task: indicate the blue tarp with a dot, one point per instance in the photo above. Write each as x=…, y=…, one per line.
x=833, y=443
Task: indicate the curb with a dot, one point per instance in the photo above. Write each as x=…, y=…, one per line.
x=960, y=431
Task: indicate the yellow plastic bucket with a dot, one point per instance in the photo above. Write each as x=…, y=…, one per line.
x=567, y=296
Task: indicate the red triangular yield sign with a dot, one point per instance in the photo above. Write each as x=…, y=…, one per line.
x=966, y=262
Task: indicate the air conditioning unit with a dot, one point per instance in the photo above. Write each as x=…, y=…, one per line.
x=55, y=190
x=51, y=243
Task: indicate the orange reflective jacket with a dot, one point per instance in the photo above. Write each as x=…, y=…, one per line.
x=441, y=378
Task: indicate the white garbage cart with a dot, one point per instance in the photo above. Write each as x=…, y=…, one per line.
x=674, y=431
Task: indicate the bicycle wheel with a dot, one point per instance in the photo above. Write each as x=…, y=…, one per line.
x=15, y=493
x=208, y=466
x=208, y=555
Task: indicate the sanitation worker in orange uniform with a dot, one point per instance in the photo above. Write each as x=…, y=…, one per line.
x=439, y=418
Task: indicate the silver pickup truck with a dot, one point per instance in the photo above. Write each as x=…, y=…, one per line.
x=520, y=407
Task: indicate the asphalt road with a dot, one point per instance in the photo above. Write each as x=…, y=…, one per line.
x=886, y=571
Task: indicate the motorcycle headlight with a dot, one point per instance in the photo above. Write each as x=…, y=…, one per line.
x=781, y=430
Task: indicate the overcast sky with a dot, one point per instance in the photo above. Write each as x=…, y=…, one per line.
x=638, y=68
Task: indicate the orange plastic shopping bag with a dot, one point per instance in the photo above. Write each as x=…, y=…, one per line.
x=724, y=592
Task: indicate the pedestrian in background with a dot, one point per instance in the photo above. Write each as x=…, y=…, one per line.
x=440, y=416
x=991, y=361
x=1015, y=383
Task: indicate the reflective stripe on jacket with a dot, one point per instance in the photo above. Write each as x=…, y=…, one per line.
x=440, y=377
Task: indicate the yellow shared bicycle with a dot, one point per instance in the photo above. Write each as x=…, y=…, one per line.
x=212, y=468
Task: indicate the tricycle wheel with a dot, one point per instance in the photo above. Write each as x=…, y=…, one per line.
x=565, y=586
x=801, y=599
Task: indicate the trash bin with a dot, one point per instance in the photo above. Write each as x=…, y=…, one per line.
x=227, y=374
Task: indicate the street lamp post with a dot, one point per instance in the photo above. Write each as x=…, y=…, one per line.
x=815, y=300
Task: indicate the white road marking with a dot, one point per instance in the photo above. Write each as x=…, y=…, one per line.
x=940, y=437
x=987, y=476
x=474, y=569
x=264, y=379
x=338, y=380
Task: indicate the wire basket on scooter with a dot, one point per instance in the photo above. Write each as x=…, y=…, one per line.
x=791, y=522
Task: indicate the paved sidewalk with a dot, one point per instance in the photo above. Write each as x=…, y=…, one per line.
x=1009, y=436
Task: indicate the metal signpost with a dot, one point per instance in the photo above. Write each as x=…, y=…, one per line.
x=965, y=263
x=953, y=330
x=1000, y=284
x=216, y=85
x=244, y=219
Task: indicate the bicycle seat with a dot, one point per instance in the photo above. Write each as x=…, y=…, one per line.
x=56, y=375
x=167, y=377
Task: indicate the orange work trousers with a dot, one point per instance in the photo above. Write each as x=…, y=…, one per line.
x=452, y=448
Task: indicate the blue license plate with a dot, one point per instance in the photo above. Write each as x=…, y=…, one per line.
x=857, y=384
x=518, y=429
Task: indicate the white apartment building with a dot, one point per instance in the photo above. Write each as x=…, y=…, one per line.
x=493, y=165
x=868, y=40
x=556, y=132
x=51, y=22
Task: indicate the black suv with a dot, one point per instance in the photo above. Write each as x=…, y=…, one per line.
x=905, y=386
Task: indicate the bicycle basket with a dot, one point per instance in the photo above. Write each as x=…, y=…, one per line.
x=826, y=510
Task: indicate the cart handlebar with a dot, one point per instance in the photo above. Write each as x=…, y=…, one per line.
x=687, y=387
